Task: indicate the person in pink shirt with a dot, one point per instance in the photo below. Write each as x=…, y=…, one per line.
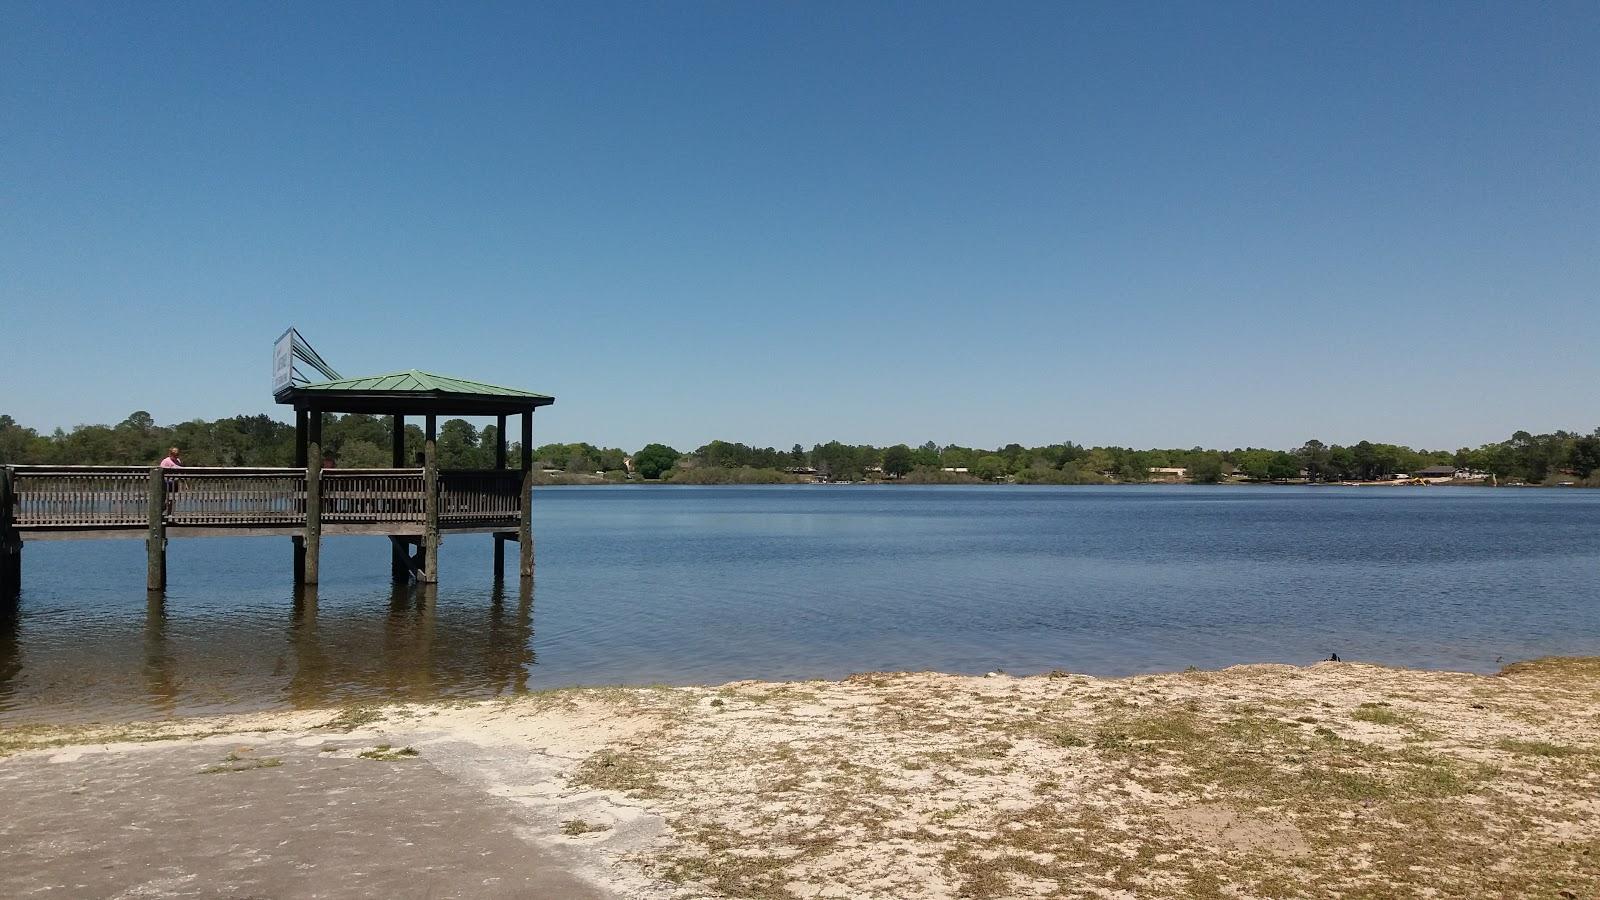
x=172, y=461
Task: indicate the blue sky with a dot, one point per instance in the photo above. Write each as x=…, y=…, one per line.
x=1145, y=224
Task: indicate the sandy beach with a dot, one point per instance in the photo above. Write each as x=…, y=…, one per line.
x=1337, y=779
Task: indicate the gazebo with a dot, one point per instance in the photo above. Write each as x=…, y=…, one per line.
x=455, y=500
x=411, y=503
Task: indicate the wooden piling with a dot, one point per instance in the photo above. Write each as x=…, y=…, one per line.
x=430, y=504
x=313, y=563
x=156, y=542
x=299, y=540
x=399, y=549
x=10, y=543
x=525, y=526
x=499, y=464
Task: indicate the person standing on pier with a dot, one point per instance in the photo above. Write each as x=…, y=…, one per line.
x=173, y=460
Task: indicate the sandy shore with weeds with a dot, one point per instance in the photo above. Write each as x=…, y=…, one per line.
x=1337, y=779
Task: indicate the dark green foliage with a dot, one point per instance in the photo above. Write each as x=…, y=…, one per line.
x=363, y=441
x=654, y=460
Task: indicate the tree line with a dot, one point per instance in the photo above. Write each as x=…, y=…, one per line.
x=364, y=441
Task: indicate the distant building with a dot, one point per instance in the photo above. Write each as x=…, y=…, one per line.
x=1436, y=472
x=1169, y=473
x=961, y=469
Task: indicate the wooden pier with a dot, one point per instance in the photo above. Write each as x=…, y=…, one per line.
x=413, y=506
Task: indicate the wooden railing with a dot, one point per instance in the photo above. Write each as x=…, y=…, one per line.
x=372, y=495
x=79, y=496
x=479, y=495
x=104, y=497
x=218, y=497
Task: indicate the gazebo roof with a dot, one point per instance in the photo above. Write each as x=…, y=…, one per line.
x=412, y=391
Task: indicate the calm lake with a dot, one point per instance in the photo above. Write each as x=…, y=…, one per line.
x=684, y=584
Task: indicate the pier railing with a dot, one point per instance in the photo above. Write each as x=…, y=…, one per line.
x=119, y=497
x=469, y=496
x=79, y=496
x=221, y=497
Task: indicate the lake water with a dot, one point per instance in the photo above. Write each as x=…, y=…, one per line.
x=703, y=585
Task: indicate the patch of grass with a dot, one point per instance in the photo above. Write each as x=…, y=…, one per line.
x=735, y=866
x=386, y=753
x=233, y=762
x=631, y=773
x=1063, y=737
x=576, y=827
x=1540, y=748
x=353, y=717
x=1380, y=715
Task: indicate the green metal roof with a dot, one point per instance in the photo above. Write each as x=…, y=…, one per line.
x=416, y=382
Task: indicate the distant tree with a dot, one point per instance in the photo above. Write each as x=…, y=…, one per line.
x=612, y=460
x=359, y=454
x=1283, y=466
x=1205, y=468
x=458, y=446
x=654, y=459
x=1314, y=458
x=1584, y=457
x=897, y=461
x=989, y=467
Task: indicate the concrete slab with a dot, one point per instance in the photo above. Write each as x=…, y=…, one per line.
x=229, y=818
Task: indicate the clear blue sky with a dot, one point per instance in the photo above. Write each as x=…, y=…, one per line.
x=1148, y=224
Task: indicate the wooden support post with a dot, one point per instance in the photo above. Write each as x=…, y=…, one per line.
x=399, y=550
x=156, y=542
x=499, y=463
x=525, y=528
x=430, y=504
x=313, y=563
x=10, y=542
x=299, y=540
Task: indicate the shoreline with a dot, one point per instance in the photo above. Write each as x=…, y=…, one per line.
x=1261, y=780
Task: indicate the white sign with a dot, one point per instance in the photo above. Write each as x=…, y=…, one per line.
x=283, y=362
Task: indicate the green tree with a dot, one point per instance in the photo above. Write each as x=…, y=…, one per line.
x=1314, y=458
x=1205, y=468
x=897, y=461
x=1283, y=466
x=1584, y=458
x=654, y=459
x=989, y=467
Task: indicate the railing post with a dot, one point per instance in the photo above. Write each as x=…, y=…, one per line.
x=430, y=505
x=10, y=543
x=525, y=499
x=313, y=563
x=156, y=543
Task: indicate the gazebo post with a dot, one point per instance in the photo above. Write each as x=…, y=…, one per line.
x=299, y=540
x=500, y=465
x=430, y=503
x=399, y=548
x=525, y=526
x=314, y=497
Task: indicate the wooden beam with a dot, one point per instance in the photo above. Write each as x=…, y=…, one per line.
x=430, y=503
x=156, y=541
x=313, y=563
x=499, y=463
x=525, y=499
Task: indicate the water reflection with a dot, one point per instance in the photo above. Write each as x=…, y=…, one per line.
x=404, y=643
x=161, y=683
